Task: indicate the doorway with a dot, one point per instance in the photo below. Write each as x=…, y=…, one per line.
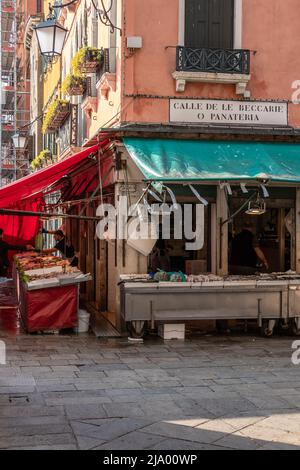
x=271, y=232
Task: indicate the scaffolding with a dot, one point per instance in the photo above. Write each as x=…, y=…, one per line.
x=13, y=162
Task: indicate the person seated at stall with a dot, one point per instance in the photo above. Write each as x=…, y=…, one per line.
x=245, y=252
x=4, y=249
x=63, y=246
x=160, y=258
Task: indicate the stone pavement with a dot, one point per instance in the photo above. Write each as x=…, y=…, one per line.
x=209, y=392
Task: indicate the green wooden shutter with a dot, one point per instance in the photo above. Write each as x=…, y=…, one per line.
x=209, y=23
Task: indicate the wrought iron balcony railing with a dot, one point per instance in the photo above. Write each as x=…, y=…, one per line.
x=213, y=60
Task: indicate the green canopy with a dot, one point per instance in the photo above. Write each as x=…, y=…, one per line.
x=192, y=160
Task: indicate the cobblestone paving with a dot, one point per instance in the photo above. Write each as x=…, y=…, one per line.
x=205, y=393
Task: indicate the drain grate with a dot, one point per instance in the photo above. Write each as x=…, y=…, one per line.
x=18, y=399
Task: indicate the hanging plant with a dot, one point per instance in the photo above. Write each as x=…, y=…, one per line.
x=44, y=157
x=55, y=116
x=74, y=85
x=87, y=60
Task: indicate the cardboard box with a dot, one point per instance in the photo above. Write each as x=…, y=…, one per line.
x=171, y=330
x=196, y=266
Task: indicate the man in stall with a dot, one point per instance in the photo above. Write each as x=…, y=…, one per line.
x=246, y=252
x=63, y=246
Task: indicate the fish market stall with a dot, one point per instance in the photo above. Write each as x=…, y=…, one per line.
x=47, y=291
x=226, y=215
x=265, y=298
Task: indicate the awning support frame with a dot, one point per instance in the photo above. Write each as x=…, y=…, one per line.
x=49, y=215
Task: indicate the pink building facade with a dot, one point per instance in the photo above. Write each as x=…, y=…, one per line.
x=267, y=70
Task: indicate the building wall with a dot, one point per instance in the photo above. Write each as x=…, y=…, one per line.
x=51, y=78
x=78, y=21
x=36, y=96
x=103, y=108
x=52, y=81
x=139, y=84
x=269, y=29
x=85, y=29
x=25, y=9
x=109, y=102
x=28, y=12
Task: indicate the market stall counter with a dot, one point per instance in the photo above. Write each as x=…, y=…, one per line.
x=47, y=291
x=266, y=298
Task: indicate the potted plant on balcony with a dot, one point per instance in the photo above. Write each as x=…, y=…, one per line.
x=44, y=158
x=87, y=60
x=57, y=113
x=74, y=85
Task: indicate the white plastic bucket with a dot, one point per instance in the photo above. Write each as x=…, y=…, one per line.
x=83, y=321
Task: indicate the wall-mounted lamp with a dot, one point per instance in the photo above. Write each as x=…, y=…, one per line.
x=51, y=34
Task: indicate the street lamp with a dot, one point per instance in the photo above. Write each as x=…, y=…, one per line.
x=19, y=141
x=51, y=37
x=51, y=34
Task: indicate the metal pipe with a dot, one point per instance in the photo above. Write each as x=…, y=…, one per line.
x=239, y=210
x=45, y=214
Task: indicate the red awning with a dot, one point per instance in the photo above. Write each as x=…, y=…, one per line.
x=35, y=183
x=27, y=194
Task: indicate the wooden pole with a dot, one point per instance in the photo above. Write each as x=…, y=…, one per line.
x=222, y=233
x=281, y=238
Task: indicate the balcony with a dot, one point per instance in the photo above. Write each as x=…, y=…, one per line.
x=90, y=97
x=57, y=113
x=212, y=66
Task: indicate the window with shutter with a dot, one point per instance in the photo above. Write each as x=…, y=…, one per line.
x=209, y=23
x=210, y=44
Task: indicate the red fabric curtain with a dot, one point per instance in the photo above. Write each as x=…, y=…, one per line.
x=49, y=309
x=19, y=230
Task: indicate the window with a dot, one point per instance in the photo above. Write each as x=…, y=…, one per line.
x=76, y=39
x=85, y=27
x=209, y=24
x=50, y=143
x=210, y=47
x=113, y=41
x=39, y=6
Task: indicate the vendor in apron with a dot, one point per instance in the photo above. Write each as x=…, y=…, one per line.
x=246, y=253
x=63, y=246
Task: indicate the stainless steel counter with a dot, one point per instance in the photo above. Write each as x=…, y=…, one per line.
x=217, y=300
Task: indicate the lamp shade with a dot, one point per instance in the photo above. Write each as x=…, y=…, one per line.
x=257, y=207
x=51, y=37
x=19, y=141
